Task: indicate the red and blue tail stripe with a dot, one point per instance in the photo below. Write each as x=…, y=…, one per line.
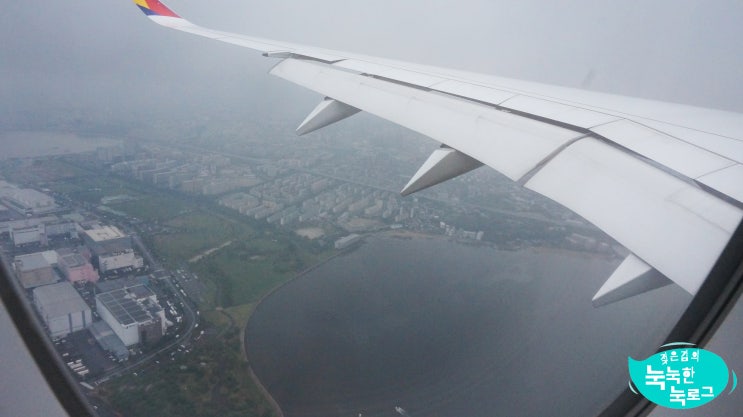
x=154, y=8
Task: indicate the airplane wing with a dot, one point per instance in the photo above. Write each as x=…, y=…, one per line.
x=664, y=180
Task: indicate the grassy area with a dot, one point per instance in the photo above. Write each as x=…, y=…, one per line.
x=152, y=207
x=246, y=270
x=196, y=232
x=241, y=314
x=241, y=273
x=212, y=380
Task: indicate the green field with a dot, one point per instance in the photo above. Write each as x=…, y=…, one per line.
x=197, y=232
x=211, y=381
x=151, y=207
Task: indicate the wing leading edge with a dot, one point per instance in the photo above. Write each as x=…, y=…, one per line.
x=664, y=180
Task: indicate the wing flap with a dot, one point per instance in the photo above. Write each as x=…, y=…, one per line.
x=727, y=181
x=559, y=112
x=727, y=147
x=473, y=91
x=410, y=77
x=655, y=215
x=680, y=156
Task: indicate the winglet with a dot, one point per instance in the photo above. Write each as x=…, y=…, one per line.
x=154, y=8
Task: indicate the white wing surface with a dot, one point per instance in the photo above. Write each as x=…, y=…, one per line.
x=664, y=180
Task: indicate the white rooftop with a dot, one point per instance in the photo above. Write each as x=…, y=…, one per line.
x=59, y=299
x=31, y=262
x=104, y=233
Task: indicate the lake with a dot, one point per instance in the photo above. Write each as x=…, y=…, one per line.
x=446, y=329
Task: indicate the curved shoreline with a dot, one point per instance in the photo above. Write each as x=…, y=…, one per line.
x=244, y=334
x=394, y=234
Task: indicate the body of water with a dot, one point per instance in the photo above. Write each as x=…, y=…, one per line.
x=25, y=144
x=445, y=329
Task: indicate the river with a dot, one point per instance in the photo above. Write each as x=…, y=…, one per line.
x=446, y=329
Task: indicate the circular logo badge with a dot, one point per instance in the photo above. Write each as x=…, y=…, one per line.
x=680, y=376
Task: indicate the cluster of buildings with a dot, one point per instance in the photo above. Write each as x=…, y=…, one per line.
x=452, y=231
x=356, y=191
x=201, y=175
x=27, y=217
x=125, y=313
x=104, y=249
x=38, y=230
x=280, y=192
x=302, y=198
x=61, y=257
x=48, y=267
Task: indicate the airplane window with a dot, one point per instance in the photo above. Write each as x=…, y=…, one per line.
x=185, y=253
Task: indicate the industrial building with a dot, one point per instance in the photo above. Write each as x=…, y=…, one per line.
x=36, y=269
x=27, y=201
x=39, y=230
x=112, y=249
x=133, y=314
x=76, y=268
x=106, y=239
x=113, y=261
x=62, y=309
x=347, y=241
x=28, y=235
x=65, y=228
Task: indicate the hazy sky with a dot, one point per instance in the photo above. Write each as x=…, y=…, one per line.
x=106, y=60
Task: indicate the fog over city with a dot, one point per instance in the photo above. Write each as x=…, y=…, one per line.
x=191, y=140
x=104, y=62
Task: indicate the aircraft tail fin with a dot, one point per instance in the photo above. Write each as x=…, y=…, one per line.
x=154, y=8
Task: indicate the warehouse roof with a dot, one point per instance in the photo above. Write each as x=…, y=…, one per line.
x=59, y=299
x=31, y=262
x=104, y=233
x=122, y=283
x=124, y=306
x=73, y=260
